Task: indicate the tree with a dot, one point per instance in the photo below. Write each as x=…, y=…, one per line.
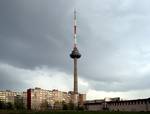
x=18, y=104
x=58, y=105
x=9, y=105
x=71, y=106
x=44, y=105
x=80, y=108
x=64, y=105
x=2, y=105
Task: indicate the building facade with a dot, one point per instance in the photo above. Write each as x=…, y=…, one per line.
x=15, y=98
x=118, y=105
x=81, y=99
x=130, y=105
x=94, y=105
x=24, y=97
x=38, y=99
x=7, y=96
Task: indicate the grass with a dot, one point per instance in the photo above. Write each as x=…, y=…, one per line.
x=64, y=112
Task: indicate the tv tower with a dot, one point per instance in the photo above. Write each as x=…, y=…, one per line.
x=75, y=55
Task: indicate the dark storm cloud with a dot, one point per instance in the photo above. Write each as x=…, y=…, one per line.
x=34, y=33
x=114, y=43
x=112, y=38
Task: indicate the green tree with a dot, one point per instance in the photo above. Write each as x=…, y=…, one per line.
x=80, y=108
x=44, y=105
x=58, y=105
x=71, y=106
x=9, y=105
x=2, y=105
x=64, y=105
x=18, y=104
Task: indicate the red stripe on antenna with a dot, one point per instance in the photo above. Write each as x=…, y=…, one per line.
x=74, y=29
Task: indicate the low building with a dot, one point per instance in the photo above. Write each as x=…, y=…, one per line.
x=118, y=105
x=94, y=105
x=130, y=105
x=81, y=99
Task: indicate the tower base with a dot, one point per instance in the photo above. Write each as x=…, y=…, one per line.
x=75, y=100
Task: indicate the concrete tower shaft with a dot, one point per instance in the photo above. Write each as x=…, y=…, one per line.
x=75, y=55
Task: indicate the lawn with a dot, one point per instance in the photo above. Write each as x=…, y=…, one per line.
x=65, y=112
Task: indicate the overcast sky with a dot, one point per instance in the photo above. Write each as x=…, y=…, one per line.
x=36, y=38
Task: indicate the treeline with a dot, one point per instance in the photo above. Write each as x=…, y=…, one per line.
x=44, y=106
x=60, y=106
x=70, y=106
x=9, y=105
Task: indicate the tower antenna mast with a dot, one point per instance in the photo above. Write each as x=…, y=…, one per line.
x=75, y=29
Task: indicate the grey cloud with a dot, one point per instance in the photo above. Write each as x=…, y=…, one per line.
x=112, y=38
x=129, y=85
x=33, y=36
x=10, y=79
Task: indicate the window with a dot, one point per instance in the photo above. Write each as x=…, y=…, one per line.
x=134, y=102
x=141, y=102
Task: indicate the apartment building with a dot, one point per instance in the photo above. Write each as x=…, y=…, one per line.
x=2, y=96
x=14, y=98
x=7, y=96
x=24, y=97
x=38, y=99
